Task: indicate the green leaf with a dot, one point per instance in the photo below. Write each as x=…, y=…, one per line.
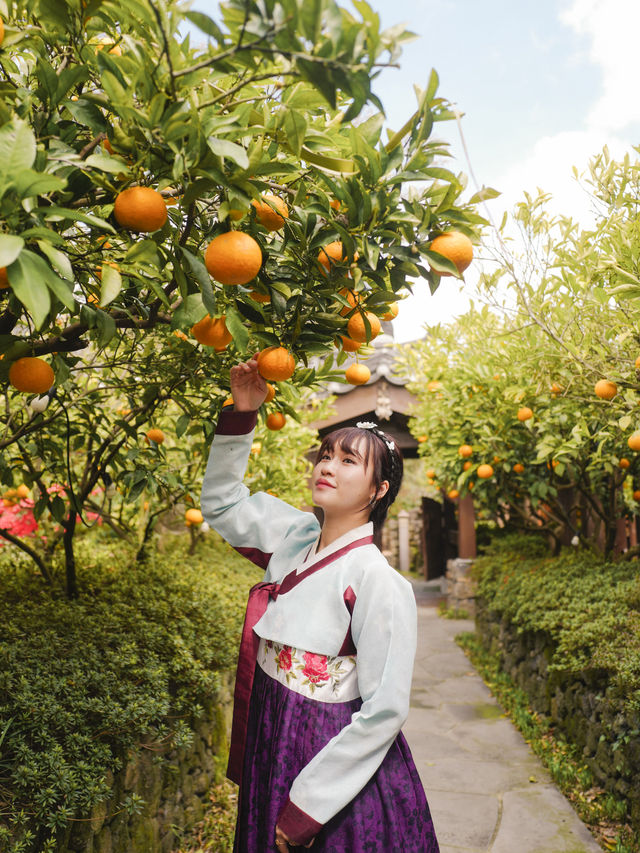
x=295, y=128
x=206, y=24
x=10, y=247
x=237, y=328
x=17, y=148
x=225, y=148
x=28, y=183
x=110, y=284
x=88, y=114
x=484, y=194
x=70, y=77
x=59, y=260
x=29, y=287
x=190, y=311
x=204, y=280
x=106, y=327
x=115, y=165
x=57, y=508
x=182, y=424
x=55, y=214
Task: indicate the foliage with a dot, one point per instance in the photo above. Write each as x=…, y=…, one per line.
x=565, y=322
x=215, y=833
x=97, y=96
x=83, y=682
x=590, y=608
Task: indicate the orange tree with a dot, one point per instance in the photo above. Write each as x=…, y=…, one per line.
x=545, y=390
x=139, y=174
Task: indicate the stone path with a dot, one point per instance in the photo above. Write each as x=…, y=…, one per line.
x=487, y=790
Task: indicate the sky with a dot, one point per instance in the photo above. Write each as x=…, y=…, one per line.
x=542, y=87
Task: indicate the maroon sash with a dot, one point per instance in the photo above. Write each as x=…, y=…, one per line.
x=259, y=596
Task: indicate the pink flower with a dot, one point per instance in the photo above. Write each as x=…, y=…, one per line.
x=284, y=658
x=315, y=667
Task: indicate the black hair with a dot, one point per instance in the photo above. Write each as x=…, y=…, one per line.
x=387, y=462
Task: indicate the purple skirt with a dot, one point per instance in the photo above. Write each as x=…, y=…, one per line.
x=285, y=731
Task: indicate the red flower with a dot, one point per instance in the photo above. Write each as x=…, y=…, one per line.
x=315, y=667
x=284, y=658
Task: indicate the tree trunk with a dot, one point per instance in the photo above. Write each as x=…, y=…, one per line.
x=70, y=560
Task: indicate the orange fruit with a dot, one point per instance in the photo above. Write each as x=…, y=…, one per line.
x=193, y=516
x=349, y=345
x=154, y=434
x=456, y=247
x=334, y=204
x=634, y=440
x=116, y=50
x=212, y=332
x=352, y=298
x=270, y=218
x=433, y=385
x=466, y=465
x=233, y=258
x=108, y=146
x=228, y=402
x=23, y=491
x=276, y=363
x=518, y=467
x=31, y=375
x=140, y=209
x=555, y=388
x=332, y=254
x=356, y=329
x=525, y=413
x=392, y=313
x=179, y=334
x=4, y=278
x=465, y=450
x=271, y=393
x=636, y=495
x=422, y=438
x=1, y=30
x=357, y=374
x=624, y=463
x=605, y=389
x=260, y=297
x=453, y=494
x=484, y=471
x=638, y=363
x=275, y=421
x=431, y=474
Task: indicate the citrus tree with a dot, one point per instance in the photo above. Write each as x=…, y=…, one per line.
x=533, y=407
x=171, y=204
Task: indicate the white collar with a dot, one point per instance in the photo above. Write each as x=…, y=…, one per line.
x=346, y=539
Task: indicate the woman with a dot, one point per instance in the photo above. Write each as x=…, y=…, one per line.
x=325, y=664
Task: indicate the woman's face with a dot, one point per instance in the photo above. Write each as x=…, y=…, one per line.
x=343, y=484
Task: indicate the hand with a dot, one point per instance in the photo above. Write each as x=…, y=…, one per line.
x=248, y=388
x=283, y=841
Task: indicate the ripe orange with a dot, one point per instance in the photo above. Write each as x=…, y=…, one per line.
x=455, y=247
x=116, y=50
x=484, y=471
x=1, y=30
x=31, y=375
x=180, y=334
x=275, y=421
x=260, y=297
x=392, y=313
x=433, y=385
x=4, y=278
x=193, y=516
x=334, y=204
x=154, y=434
x=624, y=463
x=271, y=393
x=518, y=467
x=352, y=298
x=555, y=388
x=465, y=450
x=357, y=374
x=357, y=330
x=140, y=209
x=276, y=363
x=332, y=254
x=422, y=438
x=605, y=389
x=269, y=218
x=349, y=345
x=228, y=402
x=453, y=494
x=525, y=413
x=23, y=491
x=431, y=474
x=634, y=440
x=638, y=363
x=212, y=332
x=466, y=465
x=636, y=495
x=233, y=258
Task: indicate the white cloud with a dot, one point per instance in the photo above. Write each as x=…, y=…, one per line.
x=612, y=27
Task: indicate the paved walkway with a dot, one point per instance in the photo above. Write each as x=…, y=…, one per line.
x=487, y=790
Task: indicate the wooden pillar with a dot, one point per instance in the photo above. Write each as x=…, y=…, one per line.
x=403, y=541
x=466, y=528
x=621, y=536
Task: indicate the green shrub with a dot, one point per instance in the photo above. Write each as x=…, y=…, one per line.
x=589, y=607
x=84, y=681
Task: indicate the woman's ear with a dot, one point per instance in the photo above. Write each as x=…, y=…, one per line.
x=382, y=491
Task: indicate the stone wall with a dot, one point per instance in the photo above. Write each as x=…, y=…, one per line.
x=390, y=547
x=173, y=784
x=461, y=588
x=582, y=706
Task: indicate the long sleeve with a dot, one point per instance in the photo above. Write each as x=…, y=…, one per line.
x=255, y=525
x=384, y=627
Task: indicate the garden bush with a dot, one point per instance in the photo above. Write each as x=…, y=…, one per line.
x=590, y=607
x=83, y=682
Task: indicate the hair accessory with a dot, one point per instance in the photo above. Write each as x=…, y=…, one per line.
x=375, y=429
